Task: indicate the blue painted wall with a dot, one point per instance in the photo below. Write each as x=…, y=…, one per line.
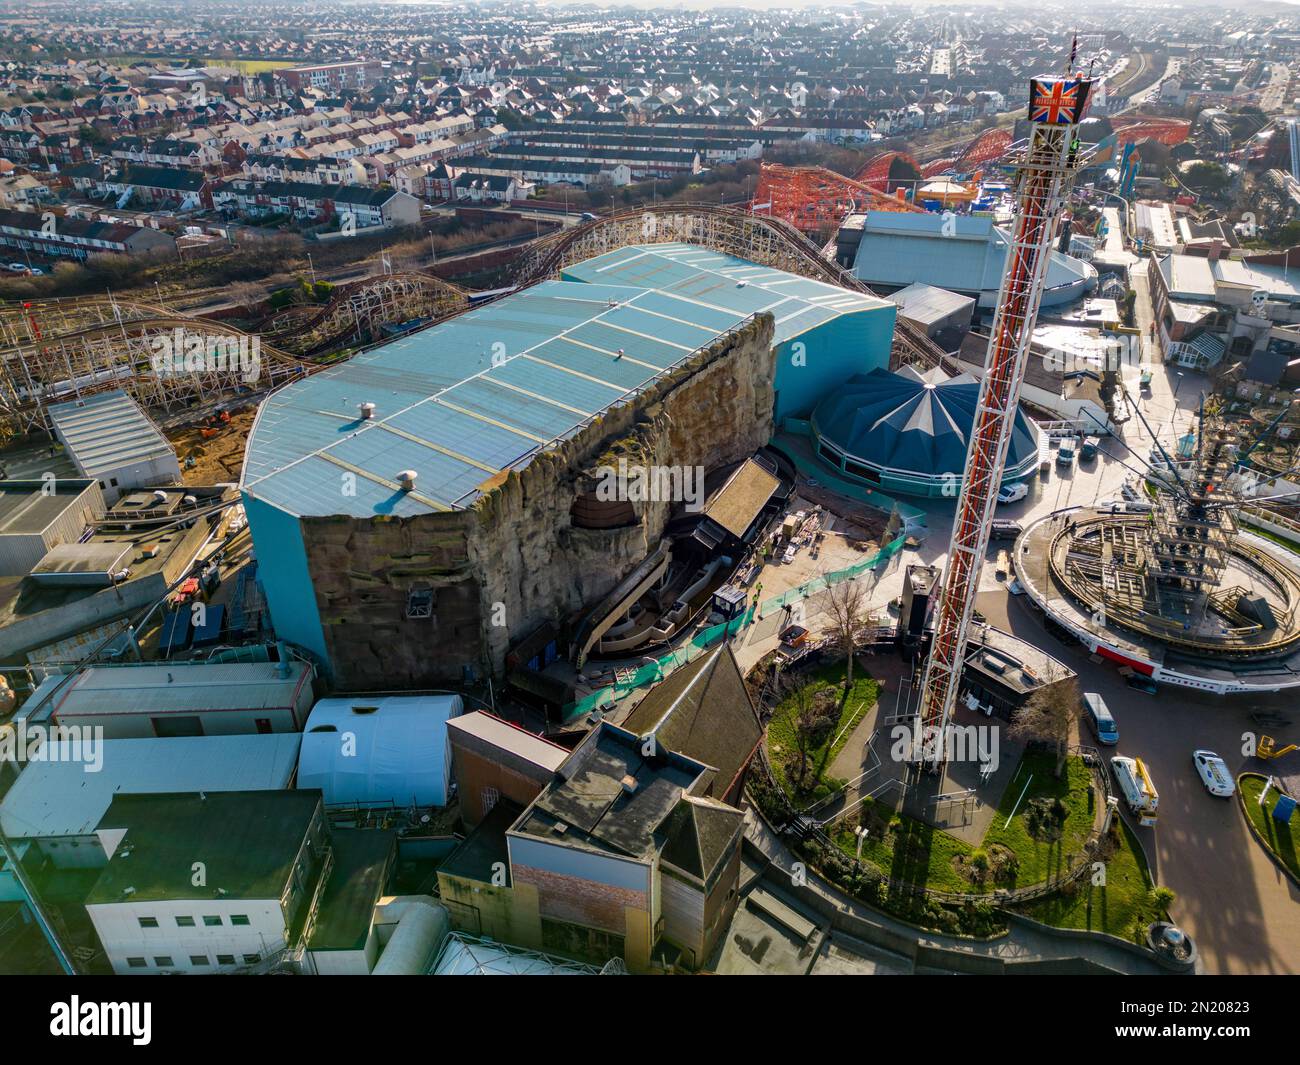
x=832, y=353
x=283, y=573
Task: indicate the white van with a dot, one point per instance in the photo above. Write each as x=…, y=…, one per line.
x=1137, y=789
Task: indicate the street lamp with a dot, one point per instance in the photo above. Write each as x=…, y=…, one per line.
x=1174, y=413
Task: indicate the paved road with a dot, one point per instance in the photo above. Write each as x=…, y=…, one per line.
x=1242, y=912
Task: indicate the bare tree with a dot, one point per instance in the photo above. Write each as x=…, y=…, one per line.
x=1047, y=717
x=246, y=294
x=798, y=703
x=846, y=602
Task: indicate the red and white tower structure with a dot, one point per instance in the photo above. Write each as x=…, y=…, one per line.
x=1056, y=106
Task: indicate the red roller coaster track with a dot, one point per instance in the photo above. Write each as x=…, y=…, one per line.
x=813, y=199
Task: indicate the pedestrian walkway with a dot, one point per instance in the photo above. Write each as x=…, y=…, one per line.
x=1023, y=943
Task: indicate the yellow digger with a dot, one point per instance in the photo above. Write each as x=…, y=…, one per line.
x=1268, y=748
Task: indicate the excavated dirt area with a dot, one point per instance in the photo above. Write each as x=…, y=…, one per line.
x=217, y=458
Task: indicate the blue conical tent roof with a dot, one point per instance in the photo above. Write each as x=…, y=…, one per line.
x=905, y=422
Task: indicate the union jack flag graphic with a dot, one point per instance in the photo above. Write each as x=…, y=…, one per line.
x=1057, y=101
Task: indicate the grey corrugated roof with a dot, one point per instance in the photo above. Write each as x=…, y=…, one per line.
x=58, y=797
x=179, y=686
x=927, y=304
x=106, y=432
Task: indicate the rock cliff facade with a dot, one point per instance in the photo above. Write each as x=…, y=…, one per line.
x=516, y=558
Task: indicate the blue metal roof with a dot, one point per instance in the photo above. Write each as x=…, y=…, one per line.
x=462, y=401
x=961, y=253
x=899, y=422
x=713, y=280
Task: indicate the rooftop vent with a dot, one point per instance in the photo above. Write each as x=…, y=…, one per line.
x=628, y=783
x=407, y=480
x=367, y=411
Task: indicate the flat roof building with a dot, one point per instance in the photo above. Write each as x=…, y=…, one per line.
x=261, y=856
x=961, y=253
x=181, y=699
x=58, y=801
x=109, y=438
x=37, y=516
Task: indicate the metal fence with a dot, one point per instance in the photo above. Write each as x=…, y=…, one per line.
x=798, y=825
x=653, y=672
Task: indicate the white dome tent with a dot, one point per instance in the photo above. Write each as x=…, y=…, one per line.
x=389, y=748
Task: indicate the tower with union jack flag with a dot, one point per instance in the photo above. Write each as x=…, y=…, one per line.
x=1058, y=101
x=1045, y=172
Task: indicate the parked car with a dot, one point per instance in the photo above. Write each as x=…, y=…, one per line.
x=1012, y=493
x=1214, y=774
x=1143, y=684
x=1065, y=455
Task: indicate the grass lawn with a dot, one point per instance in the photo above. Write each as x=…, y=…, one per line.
x=1281, y=541
x=782, y=745
x=249, y=66
x=1042, y=836
x=1045, y=855
x=1113, y=908
x=1281, y=838
x=912, y=852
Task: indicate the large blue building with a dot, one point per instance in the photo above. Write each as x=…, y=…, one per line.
x=824, y=334
x=962, y=253
x=364, y=484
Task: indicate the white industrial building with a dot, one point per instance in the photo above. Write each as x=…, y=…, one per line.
x=58, y=801
x=109, y=438
x=207, y=882
x=177, y=699
x=37, y=516
x=380, y=749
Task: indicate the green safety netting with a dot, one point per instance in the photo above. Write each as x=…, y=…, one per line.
x=653, y=672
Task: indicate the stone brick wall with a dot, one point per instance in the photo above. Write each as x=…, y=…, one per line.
x=515, y=559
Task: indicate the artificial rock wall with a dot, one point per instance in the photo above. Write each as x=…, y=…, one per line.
x=515, y=559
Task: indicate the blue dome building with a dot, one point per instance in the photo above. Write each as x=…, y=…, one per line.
x=907, y=434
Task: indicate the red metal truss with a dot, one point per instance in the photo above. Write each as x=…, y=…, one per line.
x=1044, y=176
x=1168, y=131
x=988, y=147
x=813, y=199
x=876, y=171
